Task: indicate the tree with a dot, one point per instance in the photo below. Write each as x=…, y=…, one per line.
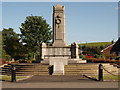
x=12, y=44
x=34, y=31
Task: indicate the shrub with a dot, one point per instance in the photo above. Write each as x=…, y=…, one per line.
x=22, y=61
x=83, y=57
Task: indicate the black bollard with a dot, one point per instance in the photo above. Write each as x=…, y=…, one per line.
x=13, y=73
x=100, y=77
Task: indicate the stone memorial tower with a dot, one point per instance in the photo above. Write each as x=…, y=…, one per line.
x=58, y=25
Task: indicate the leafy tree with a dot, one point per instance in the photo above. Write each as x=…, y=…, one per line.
x=12, y=44
x=34, y=31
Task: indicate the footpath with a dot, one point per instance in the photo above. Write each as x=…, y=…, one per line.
x=66, y=81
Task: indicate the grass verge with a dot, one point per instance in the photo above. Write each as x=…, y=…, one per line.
x=108, y=77
x=9, y=77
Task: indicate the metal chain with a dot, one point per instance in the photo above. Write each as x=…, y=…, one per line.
x=109, y=72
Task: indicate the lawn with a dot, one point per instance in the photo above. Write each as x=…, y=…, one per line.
x=108, y=77
x=9, y=77
x=98, y=44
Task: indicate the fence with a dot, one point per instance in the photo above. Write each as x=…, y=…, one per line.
x=100, y=72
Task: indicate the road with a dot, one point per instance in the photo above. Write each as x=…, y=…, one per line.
x=61, y=85
x=67, y=81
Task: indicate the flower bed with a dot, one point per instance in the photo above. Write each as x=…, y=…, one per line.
x=96, y=60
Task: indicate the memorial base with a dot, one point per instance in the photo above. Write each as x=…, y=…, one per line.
x=58, y=64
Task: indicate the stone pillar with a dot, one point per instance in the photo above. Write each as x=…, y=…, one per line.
x=58, y=25
x=77, y=50
x=43, y=50
x=74, y=51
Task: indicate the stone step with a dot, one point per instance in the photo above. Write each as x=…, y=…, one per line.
x=33, y=71
x=26, y=66
x=81, y=71
x=70, y=69
x=32, y=74
x=34, y=68
x=28, y=69
x=80, y=68
x=89, y=69
x=81, y=65
x=26, y=72
x=90, y=74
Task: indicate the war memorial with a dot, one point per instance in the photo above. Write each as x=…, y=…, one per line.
x=60, y=62
x=59, y=54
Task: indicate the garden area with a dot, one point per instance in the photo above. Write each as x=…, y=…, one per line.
x=108, y=77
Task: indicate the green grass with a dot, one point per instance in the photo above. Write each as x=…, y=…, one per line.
x=95, y=44
x=108, y=77
x=9, y=77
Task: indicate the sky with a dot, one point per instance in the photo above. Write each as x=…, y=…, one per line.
x=85, y=21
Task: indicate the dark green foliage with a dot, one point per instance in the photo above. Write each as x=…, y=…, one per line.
x=94, y=50
x=91, y=50
x=12, y=44
x=26, y=45
x=34, y=31
x=83, y=57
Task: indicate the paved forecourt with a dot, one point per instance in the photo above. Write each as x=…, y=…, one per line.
x=61, y=85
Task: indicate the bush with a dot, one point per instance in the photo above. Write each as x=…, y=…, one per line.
x=83, y=57
x=97, y=56
x=22, y=61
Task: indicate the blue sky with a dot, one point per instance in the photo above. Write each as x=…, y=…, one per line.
x=85, y=21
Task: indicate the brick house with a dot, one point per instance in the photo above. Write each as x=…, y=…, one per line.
x=106, y=52
x=116, y=48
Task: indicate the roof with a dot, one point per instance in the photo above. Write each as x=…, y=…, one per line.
x=108, y=48
x=116, y=47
